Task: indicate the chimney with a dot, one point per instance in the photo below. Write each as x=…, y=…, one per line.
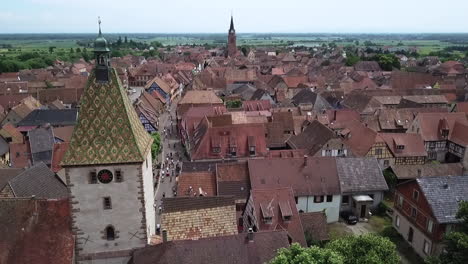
x=334, y=115
x=164, y=235
x=305, y=160
x=250, y=235
x=419, y=173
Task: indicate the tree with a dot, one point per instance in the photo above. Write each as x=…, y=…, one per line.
x=352, y=59
x=51, y=49
x=156, y=147
x=365, y=249
x=119, y=41
x=388, y=61
x=233, y=104
x=456, y=242
x=126, y=40
x=312, y=255
x=71, y=50
x=78, y=50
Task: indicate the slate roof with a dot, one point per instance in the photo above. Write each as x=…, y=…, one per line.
x=7, y=174
x=443, y=194
x=304, y=96
x=360, y=175
x=36, y=231
x=315, y=224
x=41, y=142
x=39, y=181
x=313, y=138
x=54, y=117
x=234, y=249
x=108, y=129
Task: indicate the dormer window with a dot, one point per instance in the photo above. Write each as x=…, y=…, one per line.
x=444, y=133
x=216, y=149
x=252, y=151
x=285, y=209
x=251, y=142
x=400, y=146
x=267, y=213
x=233, y=152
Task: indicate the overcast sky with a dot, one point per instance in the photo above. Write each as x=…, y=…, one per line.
x=200, y=16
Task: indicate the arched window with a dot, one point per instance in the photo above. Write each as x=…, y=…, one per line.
x=110, y=233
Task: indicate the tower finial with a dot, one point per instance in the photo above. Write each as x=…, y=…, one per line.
x=231, y=28
x=99, y=21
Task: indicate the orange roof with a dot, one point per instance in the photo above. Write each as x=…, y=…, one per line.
x=57, y=155
x=197, y=183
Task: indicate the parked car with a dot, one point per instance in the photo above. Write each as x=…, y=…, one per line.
x=349, y=218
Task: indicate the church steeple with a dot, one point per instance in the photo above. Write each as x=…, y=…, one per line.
x=231, y=47
x=231, y=28
x=101, y=54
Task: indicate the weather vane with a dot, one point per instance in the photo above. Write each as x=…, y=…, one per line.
x=99, y=22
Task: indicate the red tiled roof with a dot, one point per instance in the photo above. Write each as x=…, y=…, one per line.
x=413, y=144
x=460, y=134
x=462, y=107
x=306, y=176
x=8, y=130
x=64, y=133
x=36, y=231
x=277, y=203
x=256, y=105
x=57, y=155
x=429, y=124
x=20, y=155
x=196, y=184
x=294, y=81
x=360, y=138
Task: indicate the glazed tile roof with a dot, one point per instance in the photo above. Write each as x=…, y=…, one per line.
x=108, y=129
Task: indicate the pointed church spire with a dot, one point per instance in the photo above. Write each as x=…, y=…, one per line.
x=231, y=28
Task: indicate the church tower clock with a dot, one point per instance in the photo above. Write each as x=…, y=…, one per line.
x=108, y=170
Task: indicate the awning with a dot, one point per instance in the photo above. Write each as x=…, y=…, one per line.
x=362, y=198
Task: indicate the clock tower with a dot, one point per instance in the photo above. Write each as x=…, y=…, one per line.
x=108, y=170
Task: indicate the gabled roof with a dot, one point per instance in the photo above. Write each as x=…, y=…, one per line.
x=9, y=131
x=429, y=124
x=276, y=203
x=38, y=181
x=200, y=97
x=54, y=117
x=315, y=224
x=360, y=175
x=196, y=184
x=233, y=179
x=313, y=138
x=108, y=129
x=7, y=174
x=427, y=170
x=443, y=194
x=413, y=144
x=41, y=142
x=36, y=231
x=306, y=176
x=235, y=249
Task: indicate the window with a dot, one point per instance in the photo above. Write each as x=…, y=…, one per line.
x=252, y=151
x=415, y=195
x=233, y=152
x=426, y=247
x=296, y=199
x=107, y=203
x=345, y=199
x=110, y=233
x=386, y=163
x=430, y=226
x=267, y=220
x=378, y=151
x=400, y=201
x=92, y=177
x=400, y=147
x=329, y=198
x=414, y=212
x=118, y=176
x=397, y=221
x=216, y=150
x=318, y=199
x=287, y=218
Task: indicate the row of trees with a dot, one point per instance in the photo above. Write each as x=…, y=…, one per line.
x=363, y=249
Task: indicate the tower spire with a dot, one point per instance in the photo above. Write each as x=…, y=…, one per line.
x=231, y=28
x=99, y=22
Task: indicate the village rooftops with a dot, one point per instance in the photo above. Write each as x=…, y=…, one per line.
x=444, y=194
x=244, y=248
x=306, y=175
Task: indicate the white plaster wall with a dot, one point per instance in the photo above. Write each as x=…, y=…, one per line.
x=332, y=209
x=418, y=236
x=92, y=219
x=148, y=185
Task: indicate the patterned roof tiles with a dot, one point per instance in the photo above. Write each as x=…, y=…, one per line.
x=108, y=129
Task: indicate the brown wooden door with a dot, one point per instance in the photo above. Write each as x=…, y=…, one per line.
x=363, y=211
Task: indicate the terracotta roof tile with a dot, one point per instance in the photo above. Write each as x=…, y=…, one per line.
x=315, y=224
x=196, y=184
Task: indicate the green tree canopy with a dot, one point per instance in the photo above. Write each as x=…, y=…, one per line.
x=156, y=147
x=456, y=242
x=365, y=249
x=312, y=255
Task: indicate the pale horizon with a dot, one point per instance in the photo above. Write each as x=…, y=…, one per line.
x=250, y=17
